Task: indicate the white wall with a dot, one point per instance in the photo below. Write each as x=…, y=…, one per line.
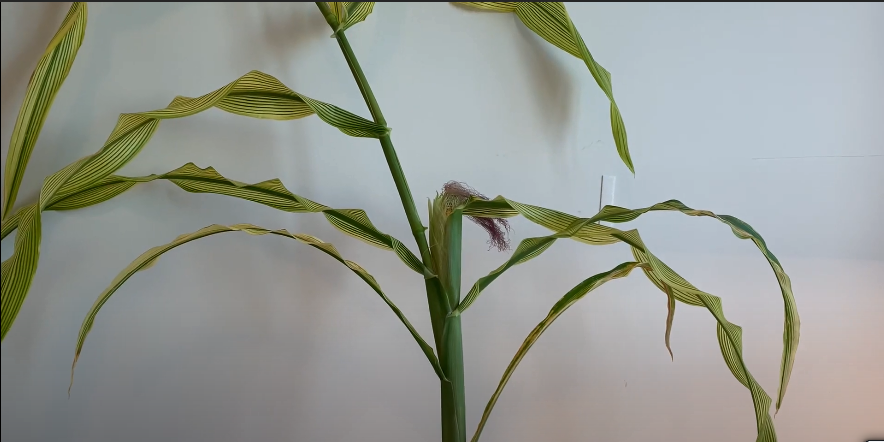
x=252, y=338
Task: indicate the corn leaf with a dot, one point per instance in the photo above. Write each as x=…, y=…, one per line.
x=528, y=249
x=50, y=73
x=676, y=288
x=596, y=234
x=255, y=94
x=193, y=179
x=551, y=22
x=730, y=336
x=350, y=13
x=15, y=282
x=570, y=298
x=742, y=230
x=149, y=258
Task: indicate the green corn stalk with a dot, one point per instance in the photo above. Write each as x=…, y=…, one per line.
x=91, y=181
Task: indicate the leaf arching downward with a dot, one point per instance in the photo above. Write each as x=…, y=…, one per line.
x=730, y=336
x=742, y=230
x=149, y=258
x=255, y=94
x=272, y=193
x=597, y=234
x=676, y=288
x=551, y=22
x=570, y=298
x=46, y=80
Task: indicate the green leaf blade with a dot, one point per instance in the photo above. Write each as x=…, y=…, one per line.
x=550, y=21
x=570, y=298
x=729, y=334
x=16, y=274
x=676, y=288
x=45, y=82
x=350, y=13
x=133, y=131
x=150, y=257
x=596, y=234
x=742, y=230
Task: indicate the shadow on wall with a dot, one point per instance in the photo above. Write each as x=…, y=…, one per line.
x=17, y=72
x=551, y=85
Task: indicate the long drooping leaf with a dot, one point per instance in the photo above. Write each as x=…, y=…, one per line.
x=596, y=234
x=675, y=287
x=730, y=336
x=149, y=258
x=350, y=13
x=570, y=298
x=255, y=94
x=742, y=230
x=550, y=21
x=50, y=73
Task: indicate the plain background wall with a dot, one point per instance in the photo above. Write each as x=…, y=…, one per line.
x=770, y=112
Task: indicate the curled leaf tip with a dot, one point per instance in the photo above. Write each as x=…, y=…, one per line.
x=498, y=229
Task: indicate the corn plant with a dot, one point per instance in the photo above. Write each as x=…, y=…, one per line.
x=91, y=180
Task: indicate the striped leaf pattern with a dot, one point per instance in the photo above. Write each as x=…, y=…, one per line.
x=528, y=249
x=51, y=71
x=596, y=234
x=149, y=258
x=742, y=230
x=676, y=288
x=729, y=334
x=271, y=193
x=27, y=253
x=350, y=13
x=570, y=298
x=255, y=94
x=551, y=22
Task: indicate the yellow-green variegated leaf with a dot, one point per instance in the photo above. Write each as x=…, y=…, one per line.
x=149, y=258
x=551, y=22
x=15, y=273
x=8, y=225
x=273, y=193
x=597, y=234
x=730, y=336
x=528, y=249
x=50, y=73
x=742, y=230
x=255, y=94
x=570, y=298
x=350, y=13
x=676, y=288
